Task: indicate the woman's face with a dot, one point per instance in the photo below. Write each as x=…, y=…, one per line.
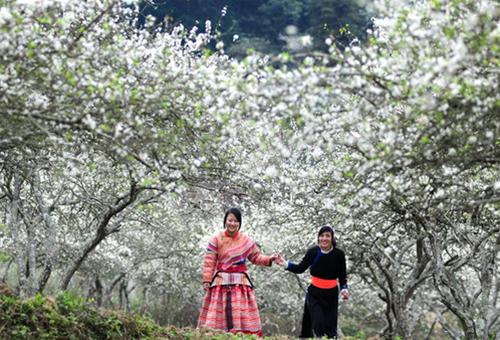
x=325, y=240
x=232, y=224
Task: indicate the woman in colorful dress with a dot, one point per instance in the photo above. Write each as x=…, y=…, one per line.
x=229, y=303
x=328, y=271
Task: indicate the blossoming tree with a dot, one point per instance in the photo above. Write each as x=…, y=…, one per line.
x=120, y=149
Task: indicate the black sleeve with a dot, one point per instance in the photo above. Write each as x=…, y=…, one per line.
x=343, y=271
x=304, y=264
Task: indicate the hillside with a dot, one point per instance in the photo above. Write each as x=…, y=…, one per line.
x=67, y=316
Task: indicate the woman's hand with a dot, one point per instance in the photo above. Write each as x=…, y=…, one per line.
x=344, y=293
x=280, y=260
x=206, y=285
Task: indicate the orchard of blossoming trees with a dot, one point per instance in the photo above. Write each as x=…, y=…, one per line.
x=120, y=149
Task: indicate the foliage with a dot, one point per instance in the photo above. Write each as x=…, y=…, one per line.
x=343, y=21
x=69, y=317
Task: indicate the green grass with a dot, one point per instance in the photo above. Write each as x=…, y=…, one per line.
x=70, y=317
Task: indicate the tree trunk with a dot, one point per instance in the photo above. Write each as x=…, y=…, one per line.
x=124, y=301
x=32, y=284
x=7, y=269
x=98, y=291
x=102, y=232
x=109, y=292
x=83, y=255
x=144, y=303
x=401, y=316
x=14, y=225
x=44, y=278
x=48, y=244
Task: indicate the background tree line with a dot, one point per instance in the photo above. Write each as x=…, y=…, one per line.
x=261, y=25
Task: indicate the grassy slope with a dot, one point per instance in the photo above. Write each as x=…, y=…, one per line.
x=70, y=317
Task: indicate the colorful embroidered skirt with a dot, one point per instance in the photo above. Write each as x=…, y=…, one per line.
x=231, y=308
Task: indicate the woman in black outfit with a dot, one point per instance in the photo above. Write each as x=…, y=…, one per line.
x=328, y=270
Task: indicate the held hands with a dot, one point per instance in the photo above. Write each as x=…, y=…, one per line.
x=206, y=285
x=278, y=259
x=344, y=293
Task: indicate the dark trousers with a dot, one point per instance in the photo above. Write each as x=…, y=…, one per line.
x=320, y=316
